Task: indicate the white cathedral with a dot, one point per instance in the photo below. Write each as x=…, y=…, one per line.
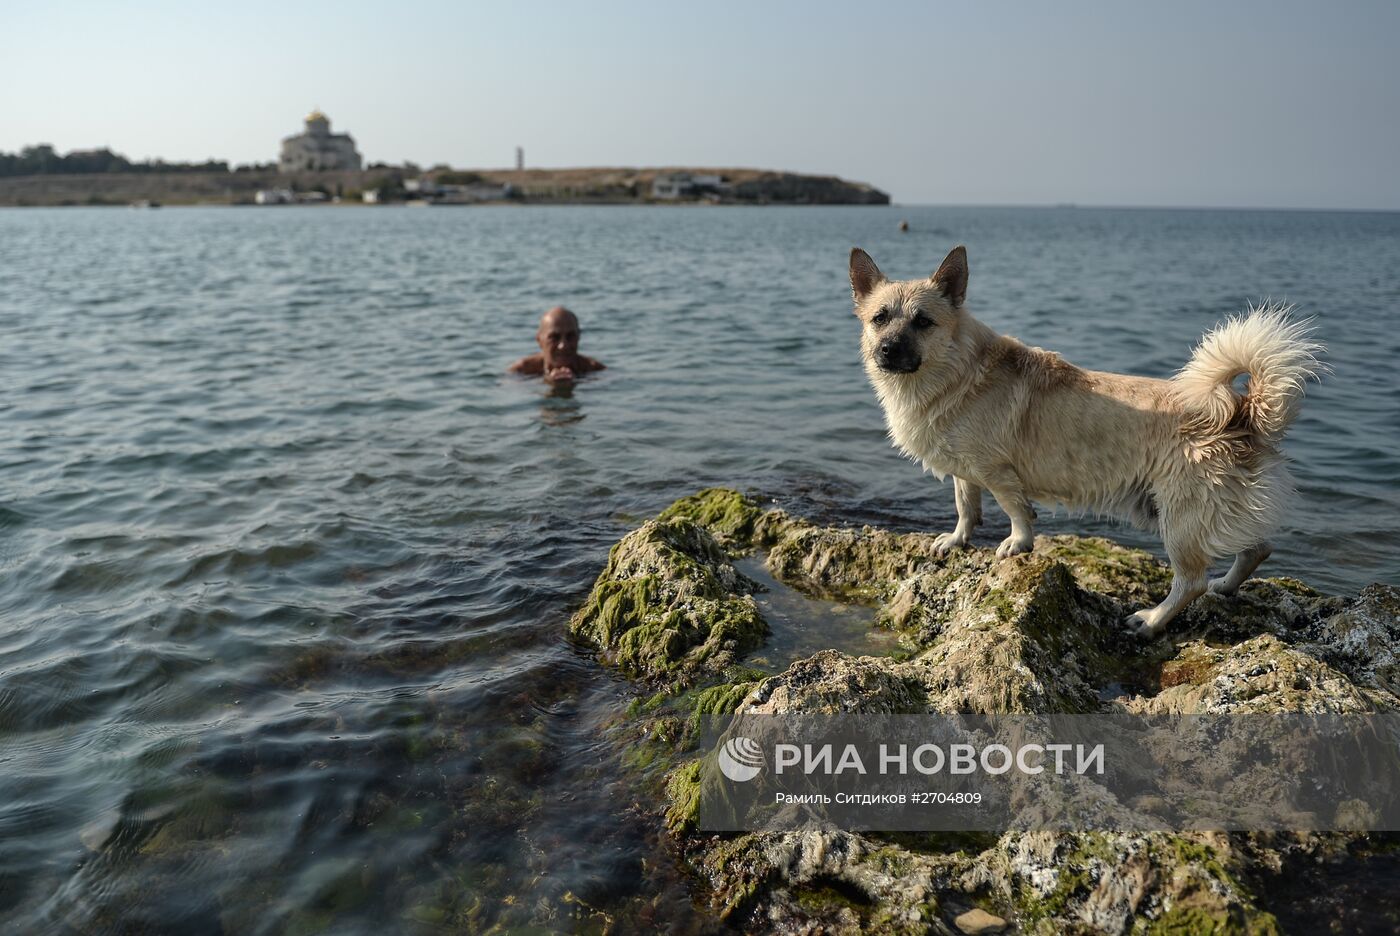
x=318, y=148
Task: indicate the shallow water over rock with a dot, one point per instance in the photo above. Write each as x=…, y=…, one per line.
x=802, y=625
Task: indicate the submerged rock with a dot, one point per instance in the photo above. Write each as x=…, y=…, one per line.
x=977, y=921
x=1034, y=634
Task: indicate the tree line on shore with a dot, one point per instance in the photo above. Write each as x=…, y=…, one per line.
x=43, y=159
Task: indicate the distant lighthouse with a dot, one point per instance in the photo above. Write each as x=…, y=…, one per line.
x=519, y=158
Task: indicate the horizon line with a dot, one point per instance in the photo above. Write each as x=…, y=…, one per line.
x=1025, y=206
x=1106, y=206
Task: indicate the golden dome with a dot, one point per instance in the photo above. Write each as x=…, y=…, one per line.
x=317, y=115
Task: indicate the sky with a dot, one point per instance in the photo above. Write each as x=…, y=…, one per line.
x=1180, y=104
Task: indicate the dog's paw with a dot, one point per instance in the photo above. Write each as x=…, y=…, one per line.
x=1014, y=546
x=945, y=543
x=1143, y=625
x=1222, y=586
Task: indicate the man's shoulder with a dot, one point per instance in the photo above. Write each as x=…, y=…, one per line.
x=592, y=363
x=533, y=364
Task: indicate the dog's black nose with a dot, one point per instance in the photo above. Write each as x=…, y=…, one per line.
x=897, y=356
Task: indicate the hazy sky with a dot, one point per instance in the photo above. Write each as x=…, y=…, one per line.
x=1229, y=103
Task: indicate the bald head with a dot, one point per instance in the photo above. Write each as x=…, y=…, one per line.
x=558, y=317
x=558, y=360
x=558, y=338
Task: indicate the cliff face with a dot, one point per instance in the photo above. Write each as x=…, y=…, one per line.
x=1037, y=634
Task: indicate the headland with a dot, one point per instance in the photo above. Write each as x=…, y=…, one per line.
x=382, y=184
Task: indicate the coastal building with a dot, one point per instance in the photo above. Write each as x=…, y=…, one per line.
x=428, y=190
x=318, y=149
x=469, y=194
x=686, y=185
x=289, y=197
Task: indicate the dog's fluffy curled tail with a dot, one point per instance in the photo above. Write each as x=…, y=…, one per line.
x=1278, y=355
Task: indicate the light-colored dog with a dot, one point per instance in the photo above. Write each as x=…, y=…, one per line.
x=1189, y=456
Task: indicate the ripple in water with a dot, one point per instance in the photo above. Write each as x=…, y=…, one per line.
x=287, y=557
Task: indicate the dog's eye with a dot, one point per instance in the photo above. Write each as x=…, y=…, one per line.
x=922, y=321
x=881, y=318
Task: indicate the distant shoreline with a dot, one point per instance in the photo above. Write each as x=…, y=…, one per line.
x=623, y=204
x=463, y=187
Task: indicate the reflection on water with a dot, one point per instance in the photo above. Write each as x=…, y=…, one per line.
x=285, y=557
x=560, y=408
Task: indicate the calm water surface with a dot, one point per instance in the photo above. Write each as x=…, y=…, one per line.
x=285, y=559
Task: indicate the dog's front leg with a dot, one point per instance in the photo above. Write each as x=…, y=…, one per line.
x=1011, y=497
x=968, y=497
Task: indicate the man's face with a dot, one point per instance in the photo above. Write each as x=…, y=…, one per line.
x=558, y=338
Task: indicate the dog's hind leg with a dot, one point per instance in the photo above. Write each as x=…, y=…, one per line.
x=1245, y=564
x=968, y=498
x=1011, y=497
x=1188, y=584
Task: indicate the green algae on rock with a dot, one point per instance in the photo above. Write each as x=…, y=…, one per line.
x=1034, y=634
x=736, y=522
x=670, y=605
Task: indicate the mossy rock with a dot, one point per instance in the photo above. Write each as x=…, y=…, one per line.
x=1108, y=882
x=733, y=519
x=683, y=794
x=860, y=564
x=670, y=605
x=1040, y=633
x=831, y=682
x=1263, y=674
x=1130, y=576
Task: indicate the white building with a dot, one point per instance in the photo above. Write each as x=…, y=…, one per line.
x=318, y=148
x=683, y=184
x=274, y=197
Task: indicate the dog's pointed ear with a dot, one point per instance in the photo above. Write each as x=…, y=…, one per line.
x=865, y=275
x=951, y=277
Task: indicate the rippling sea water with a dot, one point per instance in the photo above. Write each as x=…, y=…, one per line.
x=285, y=558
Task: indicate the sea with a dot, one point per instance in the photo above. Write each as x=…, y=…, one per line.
x=286, y=556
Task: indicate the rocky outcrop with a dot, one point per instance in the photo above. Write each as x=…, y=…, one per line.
x=1034, y=634
x=794, y=189
x=670, y=605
